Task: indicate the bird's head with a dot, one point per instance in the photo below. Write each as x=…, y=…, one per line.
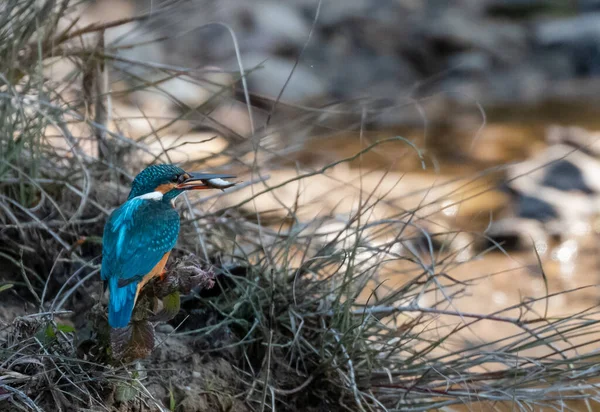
x=167, y=181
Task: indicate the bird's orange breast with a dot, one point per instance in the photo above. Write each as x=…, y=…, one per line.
x=157, y=271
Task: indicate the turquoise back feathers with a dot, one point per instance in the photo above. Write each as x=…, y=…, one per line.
x=136, y=237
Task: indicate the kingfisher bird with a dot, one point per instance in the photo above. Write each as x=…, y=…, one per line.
x=140, y=234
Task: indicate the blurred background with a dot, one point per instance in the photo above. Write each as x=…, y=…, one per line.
x=418, y=185
x=500, y=97
x=525, y=62
x=416, y=214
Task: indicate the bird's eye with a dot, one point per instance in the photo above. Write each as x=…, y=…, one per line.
x=176, y=178
x=181, y=178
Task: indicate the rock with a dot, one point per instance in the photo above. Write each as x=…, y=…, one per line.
x=554, y=192
x=517, y=233
x=576, y=37
x=470, y=62
x=271, y=76
x=577, y=137
x=565, y=176
x=588, y=5
x=536, y=170
x=520, y=9
x=278, y=21
x=557, y=64
x=567, y=30
x=457, y=31
x=333, y=12
x=531, y=207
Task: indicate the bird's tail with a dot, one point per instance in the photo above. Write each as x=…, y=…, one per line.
x=121, y=301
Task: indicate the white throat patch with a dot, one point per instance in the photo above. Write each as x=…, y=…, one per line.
x=151, y=196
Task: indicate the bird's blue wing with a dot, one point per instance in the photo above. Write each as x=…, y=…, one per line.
x=136, y=237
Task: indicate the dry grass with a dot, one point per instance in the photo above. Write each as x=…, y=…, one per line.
x=302, y=329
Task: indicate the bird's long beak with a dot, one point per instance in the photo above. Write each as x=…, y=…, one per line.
x=199, y=181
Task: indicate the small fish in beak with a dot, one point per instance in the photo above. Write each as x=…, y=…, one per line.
x=200, y=181
x=219, y=183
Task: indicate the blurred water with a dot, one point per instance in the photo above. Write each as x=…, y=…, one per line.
x=503, y=279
